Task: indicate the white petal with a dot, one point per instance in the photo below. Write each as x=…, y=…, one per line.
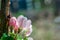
x=30, y=38
x=20, y=20
x=24, y=22
x=30, y=26
x=29, y=31
x=28, y=23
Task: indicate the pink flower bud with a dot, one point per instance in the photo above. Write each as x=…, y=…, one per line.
x=16, y=26
x=12, y=21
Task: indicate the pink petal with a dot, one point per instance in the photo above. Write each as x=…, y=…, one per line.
x=28, y=31
x=20, y=20
x=16, y=26
x=24, y=22
x=12, y=21
x=28, y=23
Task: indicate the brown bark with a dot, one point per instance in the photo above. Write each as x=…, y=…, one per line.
x=3, y=16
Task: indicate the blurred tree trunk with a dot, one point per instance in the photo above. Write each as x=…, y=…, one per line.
x=33, y=3
x=3, y=16
x=42, y=3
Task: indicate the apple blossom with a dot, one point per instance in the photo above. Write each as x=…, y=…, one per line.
x=21, y=22
x=25, y=24
x=14, y=23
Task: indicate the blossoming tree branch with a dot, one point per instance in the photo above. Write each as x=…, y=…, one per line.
x=13, y=28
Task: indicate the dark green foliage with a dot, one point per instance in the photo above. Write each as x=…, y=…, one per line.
x=6, y=37
x=25, y=38
x=19, y=37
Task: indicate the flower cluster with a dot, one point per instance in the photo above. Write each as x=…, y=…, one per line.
x=20, y=26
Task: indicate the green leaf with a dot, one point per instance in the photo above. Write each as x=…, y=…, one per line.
x=19, y=37
x=6, y=37
x=13, y=35
x=25, y=38
x=9, y=38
